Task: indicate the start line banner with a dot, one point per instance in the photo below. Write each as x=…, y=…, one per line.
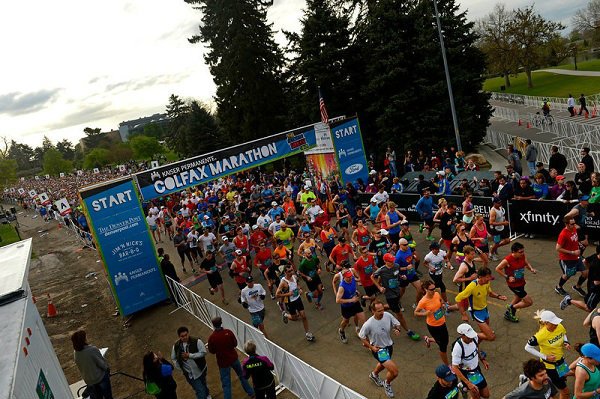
x=201, y=169
x=123, y=239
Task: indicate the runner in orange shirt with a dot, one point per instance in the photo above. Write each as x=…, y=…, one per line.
x=433, y=308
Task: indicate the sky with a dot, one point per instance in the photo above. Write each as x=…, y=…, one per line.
x=73, y=64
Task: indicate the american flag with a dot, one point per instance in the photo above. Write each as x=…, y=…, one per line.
x=322, y=108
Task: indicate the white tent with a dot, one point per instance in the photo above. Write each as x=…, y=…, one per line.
x=29, y=368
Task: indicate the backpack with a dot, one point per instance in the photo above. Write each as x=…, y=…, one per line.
x=462, y=347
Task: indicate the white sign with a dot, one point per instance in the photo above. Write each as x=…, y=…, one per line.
x=32, y=193
x=44, y=199
x=21, y=191
x=154, y=164
x=22, y=179
x=96, y=170
x=47, y=177
x=324, y=142
x=122, y=168
x=80, y=173
x=37, y=178
x=61, y=174
x=63, y=206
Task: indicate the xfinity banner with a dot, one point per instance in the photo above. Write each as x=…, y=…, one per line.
x=349, y=150
x=180, y=175
x=123, y=240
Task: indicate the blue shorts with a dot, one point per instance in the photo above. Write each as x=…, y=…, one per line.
x=480, y=316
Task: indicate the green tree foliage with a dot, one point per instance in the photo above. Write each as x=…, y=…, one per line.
x=145, y=147
x=321, y=55
x=95, y=139
x=22, y=154
x=496, y=42
x=120, y=153
x=195, y=132
x=404, y=82
x=55, y=163
x=8, y=172
x=531, y=34
x=97, y=158
x=65, y=147
x=246, y=65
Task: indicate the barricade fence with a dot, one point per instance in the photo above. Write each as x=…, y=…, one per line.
x=525, y=216
x=296, y=375
x=558, y=103
x=509, y=114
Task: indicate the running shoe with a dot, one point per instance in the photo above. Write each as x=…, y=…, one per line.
x=342, y=335
x=510, y=309
x=531, y=235
x=272, y=296
x=430, y=238
x=239, y=300
x=375, y=378
x=413, y=335
x=310, y=337
x=560, y=291
x=510, y=317
x=357, y=329
x=388, y=389
x=421, y=227
x=363, y=302
x=319, y=306
x=566, y=301
x=194, y=271
x=494, y=257
x=414, y=305
x=284, y=317
x=579, y=290
x=309, y=297
x=427, y=341
x=212, y=292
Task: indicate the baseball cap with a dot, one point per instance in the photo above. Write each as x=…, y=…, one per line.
x=444, y=372
x=560, y=177
x=591, y=350
x=255, y=227
x=348, y=273
x=466, y=330
x=326, y=223
x=225, y=238
x=342, y=239
x=274, y=203
x=238, y=251
x=384, y=232
x=373, y=172
x=374, y=200
x=584, y=198
x=388, y=258
x=403, y=241
x=249, y=279
x=441, y=173
x=548, y=316
x=405, y=221
x=225, y=217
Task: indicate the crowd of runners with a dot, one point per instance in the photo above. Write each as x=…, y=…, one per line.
x=285, y=235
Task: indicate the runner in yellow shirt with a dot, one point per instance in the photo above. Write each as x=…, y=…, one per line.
x=477, y=292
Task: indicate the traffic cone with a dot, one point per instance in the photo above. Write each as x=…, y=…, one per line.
x=587, y=115
x=52, y=312
x=520, y=123
x=59, y=225
x=528, y=125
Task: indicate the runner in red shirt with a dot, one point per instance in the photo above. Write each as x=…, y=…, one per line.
x=240, y=270
x=256, y=238
x=263, y=258
x=241, y=242
x=512, y=268
x=567, y=247
x=364, y=267
x=341, y=252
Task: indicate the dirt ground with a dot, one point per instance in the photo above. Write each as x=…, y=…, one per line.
x=60, y=268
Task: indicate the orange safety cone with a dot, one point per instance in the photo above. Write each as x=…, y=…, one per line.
x=587, y=115
x=528, y=125
x=59, y=225
x=52, y=312
x=520, y=123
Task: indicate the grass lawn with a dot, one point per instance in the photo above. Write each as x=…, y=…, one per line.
x=8, y=234
x=548, y=84
x=591, y=65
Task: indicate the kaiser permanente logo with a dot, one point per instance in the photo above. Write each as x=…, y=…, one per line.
x=547, y=217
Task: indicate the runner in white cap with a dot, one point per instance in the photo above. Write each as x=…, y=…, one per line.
x=465, y=362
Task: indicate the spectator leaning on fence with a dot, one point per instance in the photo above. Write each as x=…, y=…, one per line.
x=531, y=154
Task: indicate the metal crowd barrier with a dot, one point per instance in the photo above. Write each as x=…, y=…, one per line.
x=296, y=375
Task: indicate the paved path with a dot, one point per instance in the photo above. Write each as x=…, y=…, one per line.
x=570, y=72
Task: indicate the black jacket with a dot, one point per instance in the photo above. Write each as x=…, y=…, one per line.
x=559, y=162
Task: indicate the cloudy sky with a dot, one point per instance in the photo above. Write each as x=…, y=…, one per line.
x=71, y=64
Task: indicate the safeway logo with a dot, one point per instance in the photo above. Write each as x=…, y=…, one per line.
x=539, y=218
x=353, y=169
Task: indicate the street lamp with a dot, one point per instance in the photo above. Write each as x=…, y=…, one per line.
x=452, y=107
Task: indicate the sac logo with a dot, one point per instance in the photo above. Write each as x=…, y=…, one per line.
x=353, y=169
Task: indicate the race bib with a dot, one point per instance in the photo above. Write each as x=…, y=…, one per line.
x=312, y=273
x=213, y=269
x=383, y=355
x=475, y=377
x=438, y=314
x=256, y=319
x=452, y=394
x=296, y=292
x=571, y=271
x=393, y=283
x=562, y=369
x=519, y=273
x=368, y=270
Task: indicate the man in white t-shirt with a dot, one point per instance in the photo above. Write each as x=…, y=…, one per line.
x=253, y=296
x=465, y=361
x=435, y=261
x=151, y=220
x=207, y=242
x=275, y=226
x=376, y=335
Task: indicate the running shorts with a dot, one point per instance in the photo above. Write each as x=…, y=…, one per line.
x=480, y=316
x=295, y=307
x=350, y=311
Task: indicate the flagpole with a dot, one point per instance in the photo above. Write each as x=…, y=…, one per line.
x=446, y=70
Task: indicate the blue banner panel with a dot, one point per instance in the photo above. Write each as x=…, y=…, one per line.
x=123, y=239
x=191, y=172
x=349, y=151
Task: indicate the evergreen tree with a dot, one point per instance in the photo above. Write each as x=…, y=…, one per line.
x=246, y=65
x=321, y=56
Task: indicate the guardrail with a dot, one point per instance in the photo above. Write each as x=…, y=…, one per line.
x=559, y=103
x=296, y=375
x=509, y=114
